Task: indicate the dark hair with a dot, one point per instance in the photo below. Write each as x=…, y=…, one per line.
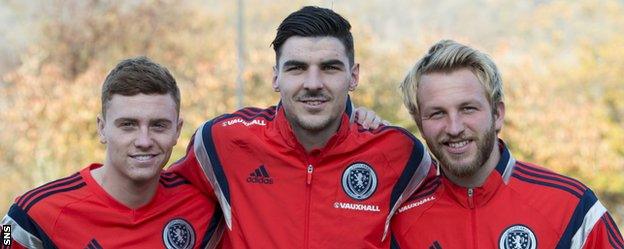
x=139, y=75
x=312, y=21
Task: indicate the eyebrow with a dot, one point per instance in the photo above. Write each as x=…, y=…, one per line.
x=151, y=121
x=291, y=63
x=333, y=62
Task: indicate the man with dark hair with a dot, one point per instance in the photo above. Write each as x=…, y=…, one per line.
x=126, y=202
x=483, y=197
x=302, y=175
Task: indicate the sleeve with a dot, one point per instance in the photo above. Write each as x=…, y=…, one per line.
x=604, y=234
x=203, y=168
x=190, y=168
x=21, y=230
x=416, y=169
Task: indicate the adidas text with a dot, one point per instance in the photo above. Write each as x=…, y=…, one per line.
x=261, y=180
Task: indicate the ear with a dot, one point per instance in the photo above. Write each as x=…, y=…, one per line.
x=179, y=129
x=100, y=126
x=355, y=76
x=275, y=73
x=499, y=115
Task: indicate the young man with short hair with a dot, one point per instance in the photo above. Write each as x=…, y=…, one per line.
x=302, y=175
x=126, y=202
x=483, y=197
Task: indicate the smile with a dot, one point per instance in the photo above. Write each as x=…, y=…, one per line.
x=457, y=144
x=143, y=157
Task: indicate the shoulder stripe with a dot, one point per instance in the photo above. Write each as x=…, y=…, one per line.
x=551, y=179
x=587, y=212
x=427, y=190
x=413, y=175
x=252, y=111
x=93, y=244
x=168, y=176
x=209, y=161
x=615, y=237
x=174, y=183
x=215, y=229
x=54, y=184
x=26, y=231
x=554, y=176
x=52, y=192
x=547, y=184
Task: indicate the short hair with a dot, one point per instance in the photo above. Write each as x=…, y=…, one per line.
x=139, y=75
x=448, y=56
x=312, y=21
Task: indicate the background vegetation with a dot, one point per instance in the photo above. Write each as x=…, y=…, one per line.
x=562, y=63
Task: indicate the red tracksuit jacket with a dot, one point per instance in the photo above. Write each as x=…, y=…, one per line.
x=75, y=212
x=275, y=195
x=520, y=206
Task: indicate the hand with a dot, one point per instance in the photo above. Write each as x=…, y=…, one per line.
x=368, y=119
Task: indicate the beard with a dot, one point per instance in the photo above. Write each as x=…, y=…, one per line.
x=454, y=165
x=315, y=122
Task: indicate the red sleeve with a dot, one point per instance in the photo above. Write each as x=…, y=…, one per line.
x=14, y=245
x=189, y=168
x=605, y=234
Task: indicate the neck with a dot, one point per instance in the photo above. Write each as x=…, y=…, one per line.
x=130, y=193
x=315, y=139
x=478, y=178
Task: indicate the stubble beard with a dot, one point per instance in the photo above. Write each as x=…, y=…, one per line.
x=485, y=145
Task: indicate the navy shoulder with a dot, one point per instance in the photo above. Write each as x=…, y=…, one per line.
x=171, y=180
x=49, y=190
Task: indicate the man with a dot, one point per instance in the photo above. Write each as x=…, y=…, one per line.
x=483, y=197
x=126, y=202
x=302, y=175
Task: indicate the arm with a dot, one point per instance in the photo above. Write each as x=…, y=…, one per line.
x=368, y=118
x=23, y=232
x=189, y=168
x=604, y=234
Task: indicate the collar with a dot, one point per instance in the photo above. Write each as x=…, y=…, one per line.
x=285, y=130
x=499, y=177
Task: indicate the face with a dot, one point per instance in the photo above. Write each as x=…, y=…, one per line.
x=139, y=132
x=313, y=78
x=457, y=121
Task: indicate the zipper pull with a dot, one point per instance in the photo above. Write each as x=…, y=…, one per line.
x=309, y=178
x=470, y=197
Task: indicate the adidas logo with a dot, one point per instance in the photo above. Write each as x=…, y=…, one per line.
x=260, y=175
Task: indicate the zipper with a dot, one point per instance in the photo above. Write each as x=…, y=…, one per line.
x=471, y=198
x=309, y=171
x=473, y=218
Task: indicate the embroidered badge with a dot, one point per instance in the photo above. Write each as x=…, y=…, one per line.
x=178, y=234
x=517, y=237
x=359, y=181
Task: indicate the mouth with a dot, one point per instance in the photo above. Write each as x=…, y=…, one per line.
x=313, y=103
x=457, y=146
x=143, y=157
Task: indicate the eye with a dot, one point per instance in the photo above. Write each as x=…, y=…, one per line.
x=127, y=125
x=436, y=115
x=294, y=68
x=468, y=109
x=330, y=68
x=160, y=126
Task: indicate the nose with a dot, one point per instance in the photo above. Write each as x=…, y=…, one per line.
x=313, y=80
x=454, y=125
x=144, y=139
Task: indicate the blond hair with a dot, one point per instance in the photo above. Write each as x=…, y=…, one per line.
x=448, y=56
